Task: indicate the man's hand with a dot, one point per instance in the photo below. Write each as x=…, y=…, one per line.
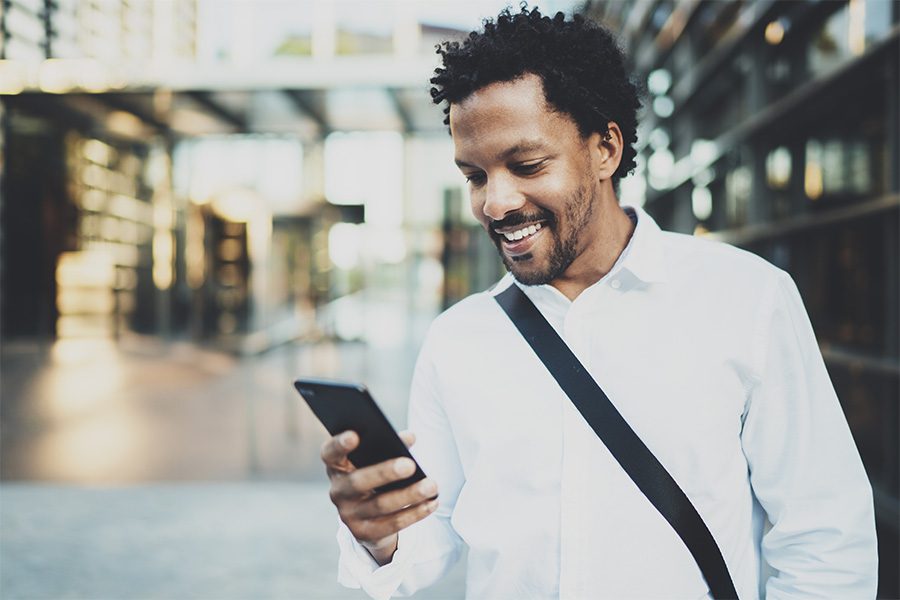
x=374, y=519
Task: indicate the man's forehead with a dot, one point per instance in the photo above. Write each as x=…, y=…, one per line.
x=525, y=90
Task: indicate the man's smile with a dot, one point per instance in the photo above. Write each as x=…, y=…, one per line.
x=520, y=239
x=518, y=234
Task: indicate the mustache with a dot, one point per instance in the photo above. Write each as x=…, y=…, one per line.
x=521, y=218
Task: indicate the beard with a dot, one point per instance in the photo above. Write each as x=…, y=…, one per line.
x=564, y=244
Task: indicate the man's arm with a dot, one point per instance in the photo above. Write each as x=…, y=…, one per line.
x=804, y=467
x=412, y=547
x=374, y=519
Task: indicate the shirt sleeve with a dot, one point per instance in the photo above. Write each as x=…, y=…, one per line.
x=804, y=466
x=428, y=549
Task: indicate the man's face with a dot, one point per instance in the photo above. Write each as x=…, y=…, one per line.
x=531, y=177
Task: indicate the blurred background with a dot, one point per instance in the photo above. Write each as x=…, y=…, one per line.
x=201, y=200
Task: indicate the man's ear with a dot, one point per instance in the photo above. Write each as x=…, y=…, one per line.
x=607, y=150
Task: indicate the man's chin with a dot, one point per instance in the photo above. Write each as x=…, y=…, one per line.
x=525, y=271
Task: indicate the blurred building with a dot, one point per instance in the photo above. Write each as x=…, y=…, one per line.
x=89, y=221
x=774, y=126
x=207, y=169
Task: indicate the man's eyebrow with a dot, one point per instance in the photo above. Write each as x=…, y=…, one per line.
x=519, y=148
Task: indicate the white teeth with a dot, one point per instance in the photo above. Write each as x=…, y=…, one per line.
x=520, y=233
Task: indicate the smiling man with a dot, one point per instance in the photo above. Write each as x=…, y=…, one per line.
x=542, y=190
x=705, y=351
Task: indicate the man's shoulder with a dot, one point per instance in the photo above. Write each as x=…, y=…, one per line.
x=474, y=313
x=475, y=307
x=715, y=260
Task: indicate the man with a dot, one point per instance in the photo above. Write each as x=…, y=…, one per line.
x=704, y=349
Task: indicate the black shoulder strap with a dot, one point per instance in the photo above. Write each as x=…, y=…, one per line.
x=623, y=443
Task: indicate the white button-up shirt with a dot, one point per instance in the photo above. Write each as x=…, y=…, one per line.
x=708, y=353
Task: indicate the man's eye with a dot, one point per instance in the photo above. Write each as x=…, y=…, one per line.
x=476, y=179
x=529, y=168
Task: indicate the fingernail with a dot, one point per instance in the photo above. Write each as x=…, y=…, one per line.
x=427, y=488
x=344, y=440
x=404, y=466
x=432, y=505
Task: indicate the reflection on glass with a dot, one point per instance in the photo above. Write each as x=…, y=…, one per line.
x=85, y=269
x=860, y=168
x=194, y=250
x=385, y=244
x=856, y=24
x=838, y=167
x=659, y=81
x=163, y=255
x=344, y=245
x=704, y=177
x=778, y=168
x=663, y=106
x=366, y=168
x=85, y=297
x=701, y=203
x=774, y=32
x=830, y=47
x=738, y=186
x=813, y=183
x=660, y=166
x=659, y=138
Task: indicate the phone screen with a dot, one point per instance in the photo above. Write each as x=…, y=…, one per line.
x=342, y=406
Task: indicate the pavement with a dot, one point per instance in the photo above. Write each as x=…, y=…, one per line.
x=186, y=541
x=143, y=468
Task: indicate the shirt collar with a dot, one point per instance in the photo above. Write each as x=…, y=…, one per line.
x=645, y=258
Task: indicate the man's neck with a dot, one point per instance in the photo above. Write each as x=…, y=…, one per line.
x=597, y=260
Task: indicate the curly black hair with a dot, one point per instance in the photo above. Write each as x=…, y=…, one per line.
x=578, y=61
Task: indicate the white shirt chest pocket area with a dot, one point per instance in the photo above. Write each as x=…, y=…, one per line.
x=508, y=429
x=512, y=480
x=689, y=415
x=698, y=394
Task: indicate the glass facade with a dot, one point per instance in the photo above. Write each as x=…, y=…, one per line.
x=784, y=140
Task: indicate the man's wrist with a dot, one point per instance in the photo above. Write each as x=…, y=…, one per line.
x=383, y=550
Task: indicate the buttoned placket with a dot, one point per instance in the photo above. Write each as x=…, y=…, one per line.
x=580, y=490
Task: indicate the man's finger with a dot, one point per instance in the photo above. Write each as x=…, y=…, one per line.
x=408, y=437
x=336, y=449
x=391, y=502
x=375, y=529
x=362, y=481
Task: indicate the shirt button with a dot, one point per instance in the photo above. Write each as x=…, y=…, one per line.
x=616, y=284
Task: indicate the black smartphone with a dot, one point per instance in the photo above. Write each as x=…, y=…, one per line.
x=342, y=406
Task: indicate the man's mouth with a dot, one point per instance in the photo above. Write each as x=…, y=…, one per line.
x=521, y=233
x=518, y=240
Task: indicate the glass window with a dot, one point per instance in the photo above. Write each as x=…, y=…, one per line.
x=712, y=23
x=830, y=46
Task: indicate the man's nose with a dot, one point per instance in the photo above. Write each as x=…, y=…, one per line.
x=501, y=198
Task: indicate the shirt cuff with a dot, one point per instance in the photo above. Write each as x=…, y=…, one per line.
x=357, y=568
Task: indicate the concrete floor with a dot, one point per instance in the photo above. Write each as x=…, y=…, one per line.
x=224, y=541
x=143, y=469
x=94, y=411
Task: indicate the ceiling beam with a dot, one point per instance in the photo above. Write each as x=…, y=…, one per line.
x=290, y=73
x=295, y=73
x=402, y=111
x=306, y=105
x=121, y=102
x=206, y=100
